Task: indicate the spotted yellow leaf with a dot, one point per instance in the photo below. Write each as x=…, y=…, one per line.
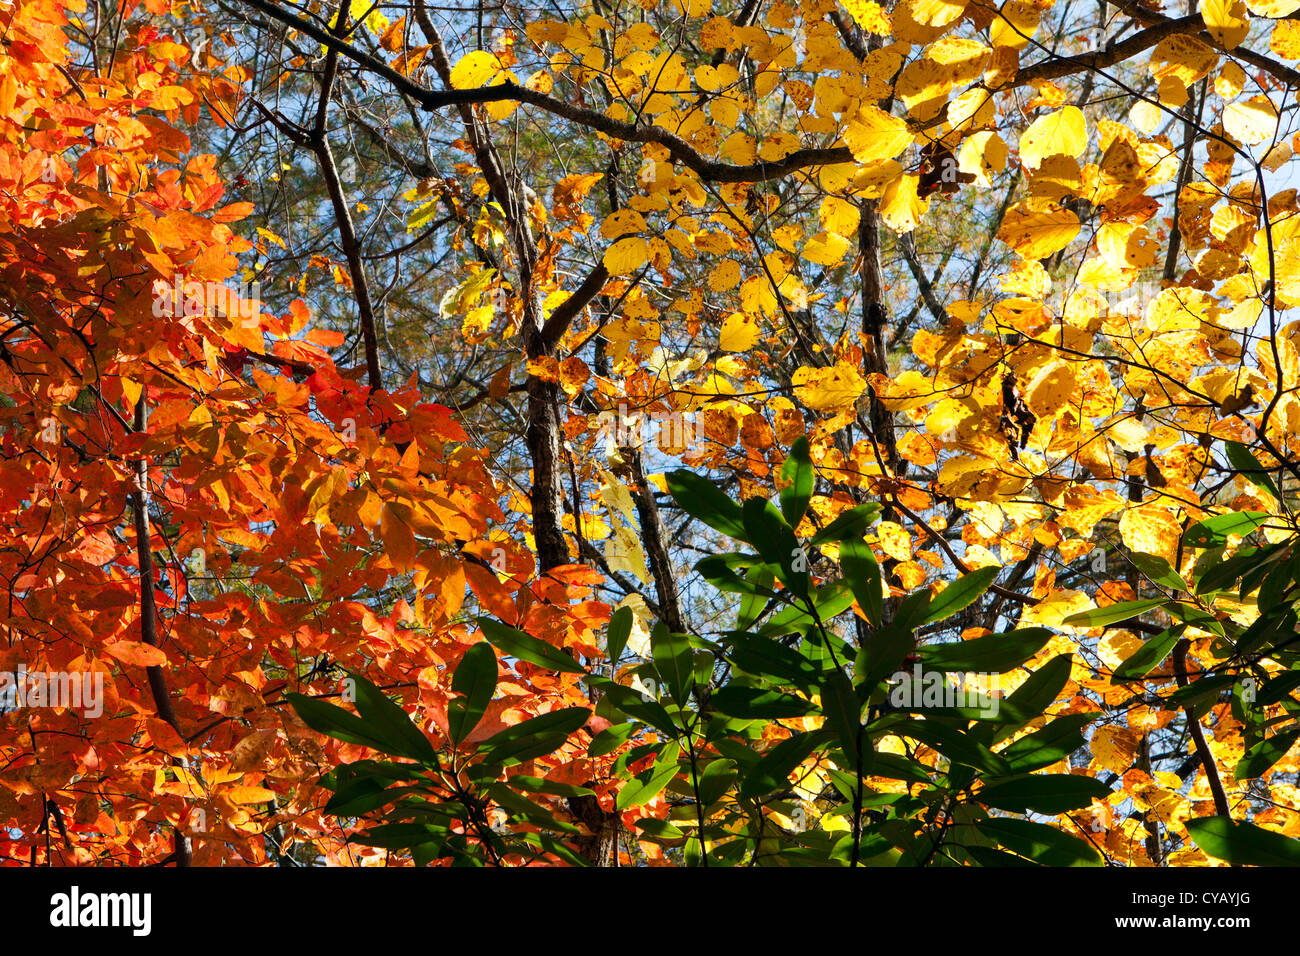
x=872, y=134
x=1037, y=232
x=828, y=389
x=739, y=333
x=626, y=256
x=1063, y=132
x=894, y=540
x=1227, y=21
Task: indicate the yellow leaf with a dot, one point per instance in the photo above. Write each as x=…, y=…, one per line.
x=1126, y=245
x=474, y=69
x=626, y=256
x=1285, y=41
x=894, y=540
x=901, y=207
x=1151, y=529
x=725, y=275
x=828, y=389
x=937, y=13
x=739, y=333
x=1129, y=433
x=1227, y=21
x=1115, y=748
x=1051, y=388
x=1145, y=116
x=1064, y=132
x=1251, y=122
x=247, y=794
x=826, y=248
x=623, y=552
x=838, y=216
x=1055, y=608
x=1184, y=57
x=1273, y=9
x=1117, y=647
x=982, y=155
x=869, y=15
x=872, y=134
x=1015, y=24
x=622, y=223
x=1037, y=232
x=269, y=236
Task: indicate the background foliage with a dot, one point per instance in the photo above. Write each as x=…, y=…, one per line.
x=967, y=323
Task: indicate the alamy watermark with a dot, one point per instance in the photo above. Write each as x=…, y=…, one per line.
x=924, y=688
x=80, y=690
x=673, y=431
x=76, y=909
x=191, y=298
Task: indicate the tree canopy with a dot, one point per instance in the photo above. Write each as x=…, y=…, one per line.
x=639, y=433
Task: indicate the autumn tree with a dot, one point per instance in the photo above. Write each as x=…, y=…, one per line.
x=533, y=310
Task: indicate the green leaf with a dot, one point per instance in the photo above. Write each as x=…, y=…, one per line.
x=862, y=571
x=1278, y=688
x=552, y=787
x=882, y=655
x=848, y=525
x=830, y=601
x=994, y=654
x=1044, y=747
x=752, y=703
x=1243, y=843
x=773, y=771
x=1264, y=754
x=720, y=571
x=1159, y=570
x=631, y=703
x=1045, y=845
x=715, y=780
x=620, y=629
x=775, y=541
x=700, y=498
x=521, y=806
x=650, y=783
x=1034, y=696
x=391, y=724
x=525, y=647
x=1241, y=458
x=961, y=593
x=535, y=737
x=1193, y=616
x=759, y=578
x=363, y=795
x=400, y=836
x=673, y=660
x=1124, y=611
x=334, y=721
x=1218, y=575
x=1214, y=531
x=844, y=716
x=798, y=471
x=659, y=829
x=1145, y=659
x=957, y=746
x=476, y=681
x=1044, y=793
x=987, y=856
x=610, y=739
x=771, y=659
